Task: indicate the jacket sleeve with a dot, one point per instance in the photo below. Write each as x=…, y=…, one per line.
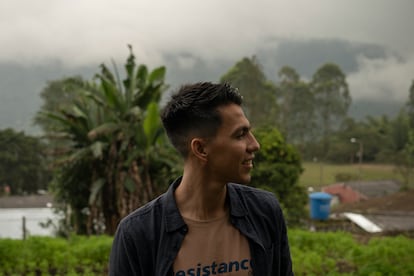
x=282, y=261
x=123, y=259
x=285, y=257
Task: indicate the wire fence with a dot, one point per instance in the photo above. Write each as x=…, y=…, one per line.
x=21, y=222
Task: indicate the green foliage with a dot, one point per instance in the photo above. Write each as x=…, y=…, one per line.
x=344, y=177
x=258, y=93
x=108, y=139
x=317, y=174
x=312, y=115
x=313, y=253
x=22, y=163
x=383, y=256
x=277, y=169
x=337, y=253
x=332, y=98
x=410, y=105
x=405, y=161
x=59, y=95
x=55, y=256
x=297, y=116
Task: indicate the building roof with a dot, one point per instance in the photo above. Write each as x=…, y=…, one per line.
x=344, y=193
x=391, y=213
x=376, y=188
x=30, y=201
x=393, y=222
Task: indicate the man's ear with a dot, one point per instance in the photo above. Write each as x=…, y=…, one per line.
x=198, y=148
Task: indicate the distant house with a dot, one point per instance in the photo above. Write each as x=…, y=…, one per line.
x=392, y=213
x=355, y=191
x=21, y=216
x=30, y=201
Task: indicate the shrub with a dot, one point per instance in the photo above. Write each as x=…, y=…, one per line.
x=313, y=253
x=337, y=253
x=78, y=255
x=277, y=169
x=344, y=177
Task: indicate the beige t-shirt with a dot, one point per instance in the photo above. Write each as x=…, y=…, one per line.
x=213, y=247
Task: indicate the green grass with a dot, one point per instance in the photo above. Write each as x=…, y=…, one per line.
x=320, y=174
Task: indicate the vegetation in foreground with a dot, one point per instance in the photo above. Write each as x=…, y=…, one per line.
x=313, y=253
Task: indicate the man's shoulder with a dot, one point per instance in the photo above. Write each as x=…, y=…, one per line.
x=249, y=190
x=253, y=197
x=144, y=213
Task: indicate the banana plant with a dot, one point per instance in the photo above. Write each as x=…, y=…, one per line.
x=116, y=144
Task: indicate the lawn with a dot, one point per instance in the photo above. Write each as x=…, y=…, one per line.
x=317, y=174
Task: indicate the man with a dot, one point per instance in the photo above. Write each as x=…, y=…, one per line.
x=205, y=224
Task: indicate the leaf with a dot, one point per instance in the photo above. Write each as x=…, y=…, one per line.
x=135, y=112
x=151, y=122
x=129, y=184
x=157, y=75
x=96, y=189
x=97, y=149
x=141, y=78
x=112, y=95
x=96, y=99
x=78, y=112
x=102, y=130
x=106, y=73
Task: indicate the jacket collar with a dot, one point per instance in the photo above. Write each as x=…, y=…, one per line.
x=173, y=218
x=237, y=208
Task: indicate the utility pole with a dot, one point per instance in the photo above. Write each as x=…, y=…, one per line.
x=360, y=154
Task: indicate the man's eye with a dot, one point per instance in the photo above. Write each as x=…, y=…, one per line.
x=242, y=134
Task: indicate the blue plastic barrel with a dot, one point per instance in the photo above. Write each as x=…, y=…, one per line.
x=320, y=205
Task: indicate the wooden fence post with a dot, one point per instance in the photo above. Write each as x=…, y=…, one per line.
x=24, y=227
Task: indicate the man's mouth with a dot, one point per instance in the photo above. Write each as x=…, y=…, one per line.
x=248, y=162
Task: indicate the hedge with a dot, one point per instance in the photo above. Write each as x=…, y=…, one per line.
x=313, y=253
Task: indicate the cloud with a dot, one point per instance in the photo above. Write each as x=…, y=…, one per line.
x=81, y=32
x=377, y=79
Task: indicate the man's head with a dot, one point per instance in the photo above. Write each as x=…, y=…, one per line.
x=192, y=111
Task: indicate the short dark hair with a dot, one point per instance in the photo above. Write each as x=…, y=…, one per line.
x=192, y=110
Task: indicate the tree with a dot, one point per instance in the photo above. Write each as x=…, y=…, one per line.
x=332, y=99
x=410, y=105
x=22, y=163
x=258, y=93
x=59, y=95
x=370, y=129
x=117, y=157
x=297, y=108
x=405, y=162
x=277, y=169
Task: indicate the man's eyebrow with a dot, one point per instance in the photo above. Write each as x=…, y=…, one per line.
x=242, y=128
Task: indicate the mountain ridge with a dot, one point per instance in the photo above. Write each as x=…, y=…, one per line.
x=21, y=84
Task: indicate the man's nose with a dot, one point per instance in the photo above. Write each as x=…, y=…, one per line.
x=254, y=145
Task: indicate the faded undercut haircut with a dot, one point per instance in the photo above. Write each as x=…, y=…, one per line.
x=192, y=112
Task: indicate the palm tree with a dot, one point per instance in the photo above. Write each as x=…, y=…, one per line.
x=117, y=158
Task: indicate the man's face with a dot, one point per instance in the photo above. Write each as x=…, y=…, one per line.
x=230, y=153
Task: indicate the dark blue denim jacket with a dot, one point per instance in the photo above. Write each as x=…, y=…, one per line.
x=148, y=240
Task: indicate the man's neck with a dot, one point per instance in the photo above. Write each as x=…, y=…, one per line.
x=200, y=198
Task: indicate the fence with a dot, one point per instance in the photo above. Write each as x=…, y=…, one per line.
x=17, y=223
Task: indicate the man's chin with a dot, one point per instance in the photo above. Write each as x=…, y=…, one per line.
x=245, y=180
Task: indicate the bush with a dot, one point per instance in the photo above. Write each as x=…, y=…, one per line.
x=313, y=253
x=78, y=255
x=337, y=253
x=345, y=177
x=277, y=169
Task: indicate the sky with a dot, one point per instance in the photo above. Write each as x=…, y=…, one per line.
x=81, y=32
